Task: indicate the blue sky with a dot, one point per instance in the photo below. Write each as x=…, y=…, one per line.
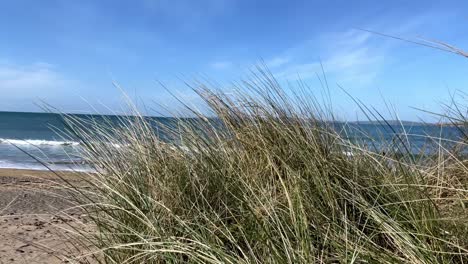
x=68, y=53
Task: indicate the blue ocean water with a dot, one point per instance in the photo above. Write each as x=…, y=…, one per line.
x=416, y=138
x=30, y=140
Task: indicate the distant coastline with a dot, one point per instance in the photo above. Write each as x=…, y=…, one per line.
x=407, y=123
x=359, y=122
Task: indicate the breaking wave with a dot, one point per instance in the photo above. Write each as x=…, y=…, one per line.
x=38, y=142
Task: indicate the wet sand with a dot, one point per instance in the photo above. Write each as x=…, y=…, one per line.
x=36, y=220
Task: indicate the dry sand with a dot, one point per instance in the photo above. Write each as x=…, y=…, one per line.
x=35, y=217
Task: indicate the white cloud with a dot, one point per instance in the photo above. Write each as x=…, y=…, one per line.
x=352, y=55
x=33, y=80
x=360, y=64
x=346, y=56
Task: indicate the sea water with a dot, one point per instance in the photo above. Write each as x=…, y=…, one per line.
x=34, y=140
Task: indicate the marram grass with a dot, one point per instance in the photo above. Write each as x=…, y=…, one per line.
x=268, y=180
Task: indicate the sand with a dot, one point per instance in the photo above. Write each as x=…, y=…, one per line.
x=36, y=222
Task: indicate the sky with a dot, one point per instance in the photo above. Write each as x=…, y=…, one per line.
x=81, y=56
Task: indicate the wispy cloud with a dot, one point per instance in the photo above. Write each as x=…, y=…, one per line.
x=346, y=56
x=35, y=79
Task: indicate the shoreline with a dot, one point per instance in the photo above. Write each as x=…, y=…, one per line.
x=21, y=172
x=57, y=167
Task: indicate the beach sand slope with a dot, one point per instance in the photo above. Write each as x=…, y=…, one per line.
x=35, y=217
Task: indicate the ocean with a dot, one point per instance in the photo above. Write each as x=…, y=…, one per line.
x=31, y=141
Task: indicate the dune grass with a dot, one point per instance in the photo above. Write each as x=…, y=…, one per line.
x=268, y=180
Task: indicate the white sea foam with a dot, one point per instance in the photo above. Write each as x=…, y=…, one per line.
x=40, y=142
x=37, y=142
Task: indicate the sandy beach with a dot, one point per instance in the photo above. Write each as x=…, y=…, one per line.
x=35, y=217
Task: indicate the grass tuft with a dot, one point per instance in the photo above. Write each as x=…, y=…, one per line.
x=268, y=180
